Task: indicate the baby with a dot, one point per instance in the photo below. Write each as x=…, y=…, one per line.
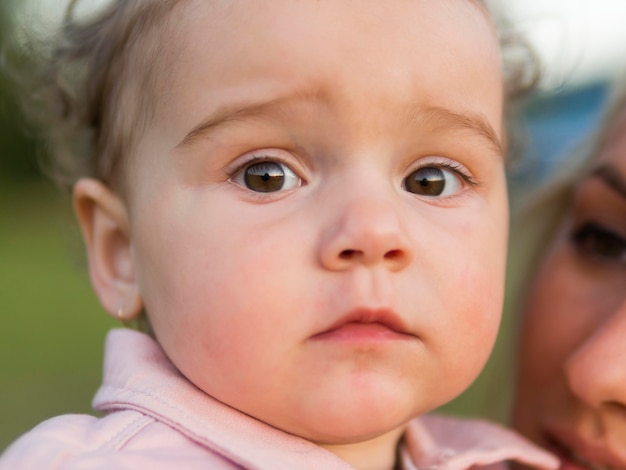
x=306, y=199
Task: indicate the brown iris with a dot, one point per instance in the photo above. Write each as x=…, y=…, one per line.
x=427, y=181
x=264, y=177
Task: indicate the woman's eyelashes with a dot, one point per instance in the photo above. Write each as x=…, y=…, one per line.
x=600, y=243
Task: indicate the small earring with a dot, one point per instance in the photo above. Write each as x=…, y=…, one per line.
x=120, y=314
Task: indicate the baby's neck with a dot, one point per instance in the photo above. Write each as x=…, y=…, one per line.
x=380, y=453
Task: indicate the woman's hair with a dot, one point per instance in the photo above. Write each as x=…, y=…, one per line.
x=95, y=87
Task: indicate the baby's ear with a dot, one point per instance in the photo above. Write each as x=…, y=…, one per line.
x=103, y=218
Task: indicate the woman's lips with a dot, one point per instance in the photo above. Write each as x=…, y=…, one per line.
x=568, y=461
x=576, y=454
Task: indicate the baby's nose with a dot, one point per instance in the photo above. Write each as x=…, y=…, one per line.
x=367, y=232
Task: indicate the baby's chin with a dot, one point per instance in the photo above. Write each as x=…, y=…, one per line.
x=350, y=422
x=338, y=408
x=348, y=430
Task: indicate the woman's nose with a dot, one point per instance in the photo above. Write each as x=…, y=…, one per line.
x=596, y=371
x=366, y=232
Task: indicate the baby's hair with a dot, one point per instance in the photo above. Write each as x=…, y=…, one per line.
x=96, y=88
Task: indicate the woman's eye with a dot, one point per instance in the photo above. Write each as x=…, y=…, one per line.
x=433, y=181
x=267, y=177
x=600, y=243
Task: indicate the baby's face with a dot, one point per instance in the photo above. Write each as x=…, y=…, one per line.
x=318, y=211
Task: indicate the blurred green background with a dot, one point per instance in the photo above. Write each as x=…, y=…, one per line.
x=51, y=325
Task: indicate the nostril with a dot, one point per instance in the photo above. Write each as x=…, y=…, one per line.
x=393, y=255
x=346, y=254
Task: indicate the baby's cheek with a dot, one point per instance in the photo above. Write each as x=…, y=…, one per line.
x=479, y=305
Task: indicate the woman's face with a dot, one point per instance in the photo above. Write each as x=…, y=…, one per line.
x=571, y=393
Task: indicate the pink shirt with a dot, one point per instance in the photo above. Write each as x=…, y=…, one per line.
x=157, y=419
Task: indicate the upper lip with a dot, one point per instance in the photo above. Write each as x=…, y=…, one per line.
x=382, y=316
x=579, y=448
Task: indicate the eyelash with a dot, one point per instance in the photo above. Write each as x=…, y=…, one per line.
x=600, y=243
x=231, y=172
x=457, y=168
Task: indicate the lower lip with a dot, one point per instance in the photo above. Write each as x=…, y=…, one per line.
x=361, y=332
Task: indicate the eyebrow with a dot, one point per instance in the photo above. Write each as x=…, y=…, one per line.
x=246, y=110
x=611, y=177
x=474, y=122
x=434, y=115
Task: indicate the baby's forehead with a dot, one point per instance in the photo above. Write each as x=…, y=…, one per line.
x=154, y=35
x=238, y=15
x=226, y=25
x=250, y=53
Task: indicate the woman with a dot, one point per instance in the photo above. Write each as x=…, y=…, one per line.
x=571, y=388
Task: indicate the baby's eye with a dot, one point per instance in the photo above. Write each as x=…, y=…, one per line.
x=433, y=181
x=267, y=177
x=600, y=243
